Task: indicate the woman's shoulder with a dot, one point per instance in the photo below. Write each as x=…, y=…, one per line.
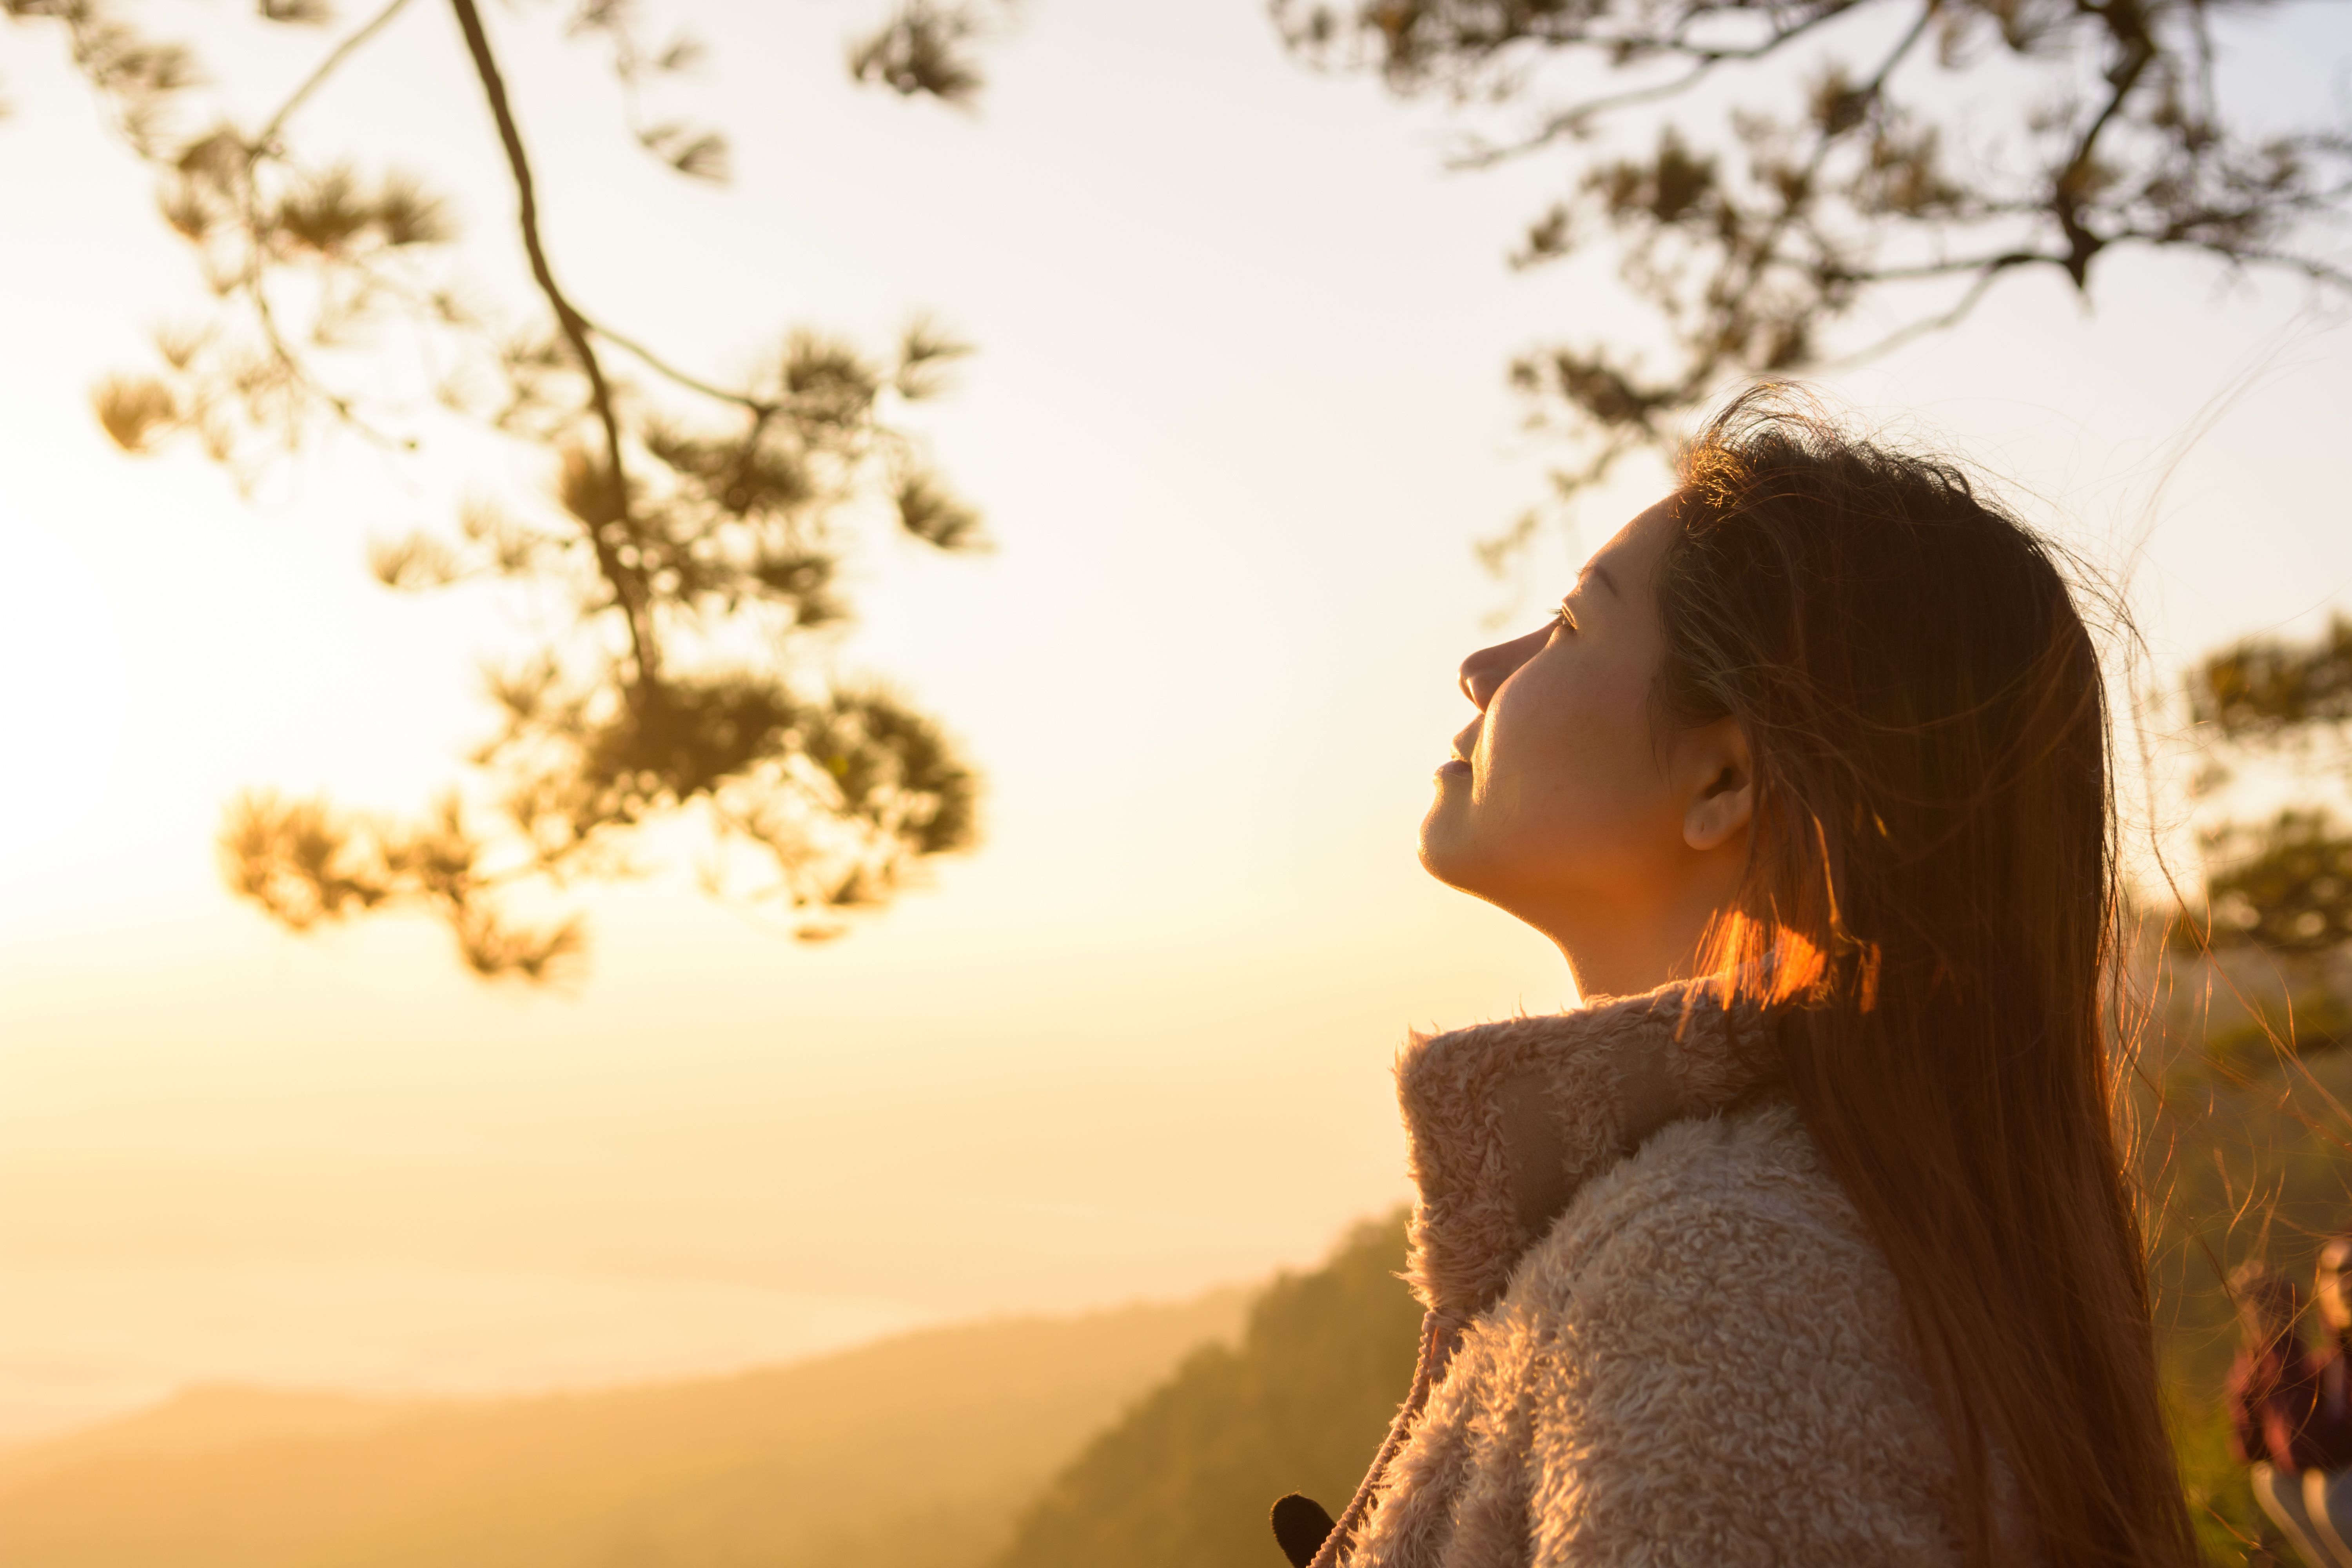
x=1722, y=1262
x=1750, y=1184
x=1733, y=1220
x=1717, y=1325
x=1726, y=1247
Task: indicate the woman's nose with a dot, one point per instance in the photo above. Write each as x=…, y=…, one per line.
x=1477, y=684
x=1484, y=672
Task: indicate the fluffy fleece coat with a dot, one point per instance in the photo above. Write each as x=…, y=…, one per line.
x=1689, y=1352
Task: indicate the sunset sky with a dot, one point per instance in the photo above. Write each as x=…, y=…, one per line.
x=1236, y=415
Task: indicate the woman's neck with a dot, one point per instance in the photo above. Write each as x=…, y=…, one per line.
x=1621, y=952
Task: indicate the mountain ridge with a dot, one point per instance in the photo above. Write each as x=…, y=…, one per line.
x=915, y=1450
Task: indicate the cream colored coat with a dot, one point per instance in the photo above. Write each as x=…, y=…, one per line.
x=1690, y=1354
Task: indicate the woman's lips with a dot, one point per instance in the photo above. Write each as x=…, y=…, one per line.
x=1453, y=768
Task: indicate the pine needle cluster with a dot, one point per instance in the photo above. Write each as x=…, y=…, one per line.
x=692, y=534
x=1913, y=152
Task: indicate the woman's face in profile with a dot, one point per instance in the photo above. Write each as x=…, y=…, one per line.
x=1561, y=790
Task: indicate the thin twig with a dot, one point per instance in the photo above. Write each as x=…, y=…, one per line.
x=1926, y=324
x=626, y=587
x=662, y=368
x=2000, y=261
x=2082, y=241
x=335, y=58
x=1570, y=121
x=255, y=286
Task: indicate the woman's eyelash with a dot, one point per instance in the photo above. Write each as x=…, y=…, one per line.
x=1565, y=616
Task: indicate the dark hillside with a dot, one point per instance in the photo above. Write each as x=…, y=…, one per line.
x=1300, y=1404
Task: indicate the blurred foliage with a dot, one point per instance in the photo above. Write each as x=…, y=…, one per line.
x=2266, y=688
x=2303, y=1025
x=2282, y=885
x=924, y=52
x=2285, y=885
x=691, y=540
x=1912, y=152
x=1187, y=1478
x=2242, y=1152
x=2231, y=1529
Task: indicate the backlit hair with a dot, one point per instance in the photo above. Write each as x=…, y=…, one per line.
x=1930, y=900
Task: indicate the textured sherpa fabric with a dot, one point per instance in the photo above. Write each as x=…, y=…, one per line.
x=1704, y=1358
x=1507, y=1121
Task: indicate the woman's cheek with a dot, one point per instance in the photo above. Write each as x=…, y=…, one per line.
x=1529, y=815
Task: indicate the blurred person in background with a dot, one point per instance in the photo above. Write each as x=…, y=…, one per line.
x=1806, y=1237
x=2273, y=1395
x=2327, y=1435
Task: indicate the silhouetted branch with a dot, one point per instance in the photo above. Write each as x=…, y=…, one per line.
x=1750, y=234
x=628, y=589
x=327, y=67
x=726, y=526
x=669, y=372
x=1987, y=275
x=1576, y=120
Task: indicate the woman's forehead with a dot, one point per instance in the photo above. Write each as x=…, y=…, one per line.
x=1628, y=555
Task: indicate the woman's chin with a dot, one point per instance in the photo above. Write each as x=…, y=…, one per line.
x=1443, y=853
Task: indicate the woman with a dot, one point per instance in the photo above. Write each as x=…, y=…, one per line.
x=1815, y=1247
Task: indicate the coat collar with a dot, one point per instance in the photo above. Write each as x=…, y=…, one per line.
x=1507, y=1121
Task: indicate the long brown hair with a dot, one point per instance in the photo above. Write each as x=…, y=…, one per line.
x=1931, y=900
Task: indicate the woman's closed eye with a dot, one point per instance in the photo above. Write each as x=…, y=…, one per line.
x=1564, y=618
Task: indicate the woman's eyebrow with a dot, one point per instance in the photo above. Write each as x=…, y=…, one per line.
x=1594, y=569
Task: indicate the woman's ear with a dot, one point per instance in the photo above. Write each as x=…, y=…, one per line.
x=1720, y=778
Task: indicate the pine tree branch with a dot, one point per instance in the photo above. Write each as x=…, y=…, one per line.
x=1575, y=119
x=628, y=589
x=669, y=372
x=2066, y=198
x=327, y=67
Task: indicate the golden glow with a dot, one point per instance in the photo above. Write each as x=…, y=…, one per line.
x=1236, y=415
